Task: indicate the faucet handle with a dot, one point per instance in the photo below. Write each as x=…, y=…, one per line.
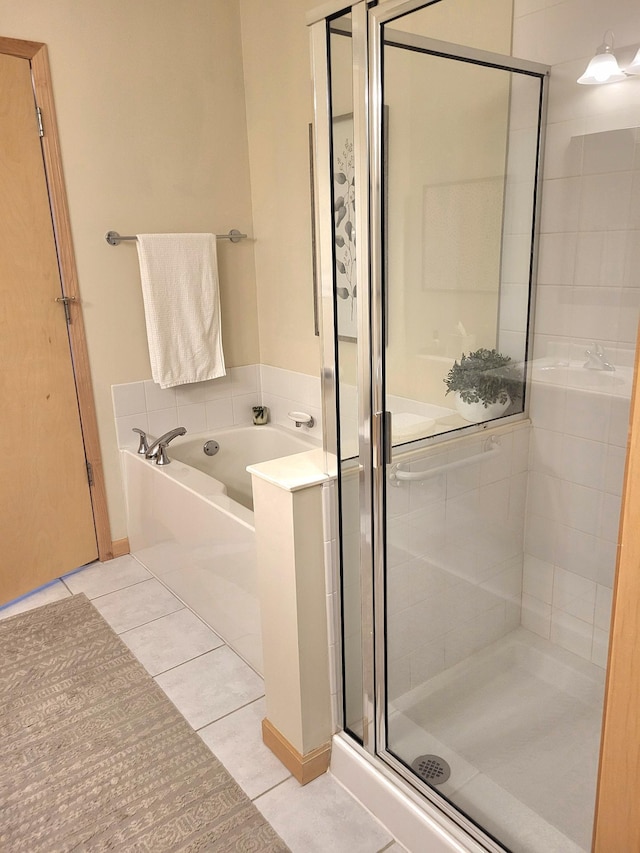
x=144, y=444
x=161, y=457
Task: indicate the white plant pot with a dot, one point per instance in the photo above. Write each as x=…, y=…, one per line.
x=475, y=413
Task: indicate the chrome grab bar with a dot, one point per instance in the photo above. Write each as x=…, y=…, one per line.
x=398, y=474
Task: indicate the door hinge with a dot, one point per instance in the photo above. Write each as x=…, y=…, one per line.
x=40, y=125
x=89, y=472
x=65, y=300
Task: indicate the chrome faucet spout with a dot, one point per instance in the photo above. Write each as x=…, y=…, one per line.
x=158, y=450
x=596, y=359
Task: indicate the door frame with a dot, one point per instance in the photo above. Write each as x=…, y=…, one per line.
x=617, y=819
x=37, y=55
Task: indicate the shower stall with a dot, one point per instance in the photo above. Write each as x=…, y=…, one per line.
x=477, y=544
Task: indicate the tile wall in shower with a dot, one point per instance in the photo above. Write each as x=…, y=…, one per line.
x=454, y=552
x=588, y=292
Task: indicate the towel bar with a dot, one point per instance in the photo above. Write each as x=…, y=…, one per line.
x=114, y=239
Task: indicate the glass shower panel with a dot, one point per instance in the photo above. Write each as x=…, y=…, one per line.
x=345, y=292
x=471, y=709
x=459, y=212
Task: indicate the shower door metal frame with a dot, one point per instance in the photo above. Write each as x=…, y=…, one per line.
x=320, y=33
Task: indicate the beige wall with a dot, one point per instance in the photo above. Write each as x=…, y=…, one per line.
x=279, y=108
x=153, y=129
x=433, y=283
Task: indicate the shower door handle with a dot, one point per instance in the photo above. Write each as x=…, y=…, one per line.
x=382, y=438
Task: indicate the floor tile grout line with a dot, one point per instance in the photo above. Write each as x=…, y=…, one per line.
x=67, y=587
x=272, y=788
x=229, y=713
x=164, y=616
x=189, y=660
x=113, y=591
x=142, y=624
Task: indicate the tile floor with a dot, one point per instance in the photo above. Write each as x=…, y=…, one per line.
x=223, y=700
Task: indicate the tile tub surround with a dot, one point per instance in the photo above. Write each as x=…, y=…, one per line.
x=326, y=816
x=217, y=403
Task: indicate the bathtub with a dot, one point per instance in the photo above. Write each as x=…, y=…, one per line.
x=191, y=524
x=239, y=447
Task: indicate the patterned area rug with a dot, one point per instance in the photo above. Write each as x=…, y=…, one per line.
x=95, y=757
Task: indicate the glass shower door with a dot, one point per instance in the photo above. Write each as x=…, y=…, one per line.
x=476, y=708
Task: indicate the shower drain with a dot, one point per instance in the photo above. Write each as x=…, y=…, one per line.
x=431, y=769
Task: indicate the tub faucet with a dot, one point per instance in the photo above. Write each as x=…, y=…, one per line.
x=596, y=360
x=158, y=450
x=143, y=446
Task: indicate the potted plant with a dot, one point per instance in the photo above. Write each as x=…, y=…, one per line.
x=485, y=383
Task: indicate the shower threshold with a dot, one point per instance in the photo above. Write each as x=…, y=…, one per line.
x=519, y=724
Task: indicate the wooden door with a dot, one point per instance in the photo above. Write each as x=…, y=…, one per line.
x=46, y=517
x=617, y=823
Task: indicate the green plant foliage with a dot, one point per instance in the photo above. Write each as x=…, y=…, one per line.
x=485, y=376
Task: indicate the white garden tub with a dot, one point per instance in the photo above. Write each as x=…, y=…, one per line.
x=191, y=524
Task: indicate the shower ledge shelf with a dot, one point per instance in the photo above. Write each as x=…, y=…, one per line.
x=633, y=127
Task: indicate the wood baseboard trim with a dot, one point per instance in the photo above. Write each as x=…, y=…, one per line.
x=120, y=547
x=305, y=768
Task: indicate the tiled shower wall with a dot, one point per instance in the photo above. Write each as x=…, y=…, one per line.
x=589, y=291
x=217, y=403
x=454, y=551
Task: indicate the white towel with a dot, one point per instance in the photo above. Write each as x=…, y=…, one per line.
x=179, y=275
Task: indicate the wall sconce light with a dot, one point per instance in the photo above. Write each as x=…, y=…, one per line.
x=604, y=67
x=634, y=67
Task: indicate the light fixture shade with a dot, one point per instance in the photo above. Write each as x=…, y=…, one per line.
x=603, y=68
x=634, y=68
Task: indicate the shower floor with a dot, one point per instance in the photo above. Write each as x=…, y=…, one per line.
x=519, y=723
